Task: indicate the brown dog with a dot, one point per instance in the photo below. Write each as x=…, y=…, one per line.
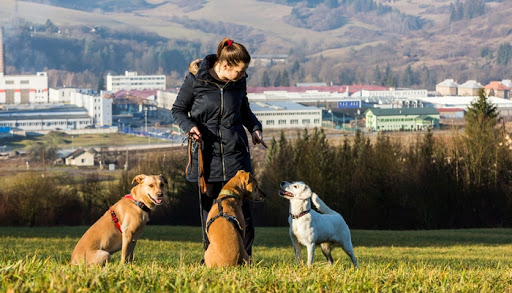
x=121, y=226
x=225, y=226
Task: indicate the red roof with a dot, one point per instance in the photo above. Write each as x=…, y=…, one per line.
x=496, y=85
x=449, y=109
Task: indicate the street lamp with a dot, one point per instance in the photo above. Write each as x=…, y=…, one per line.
x=146, y=119
x=332, y=117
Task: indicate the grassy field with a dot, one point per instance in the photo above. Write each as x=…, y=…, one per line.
x=167, y=259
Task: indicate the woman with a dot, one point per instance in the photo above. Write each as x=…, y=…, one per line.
x=212, y=106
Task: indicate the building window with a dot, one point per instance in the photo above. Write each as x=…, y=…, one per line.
x=282, y=122
x=305, y=121
x=9, y=82
x=270, y=122
x=294, y=121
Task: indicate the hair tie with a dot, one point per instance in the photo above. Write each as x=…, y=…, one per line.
x=230, y=42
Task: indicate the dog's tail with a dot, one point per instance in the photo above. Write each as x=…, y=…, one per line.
x=320, y=205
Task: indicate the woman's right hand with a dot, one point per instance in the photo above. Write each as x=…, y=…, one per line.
x=196, y=135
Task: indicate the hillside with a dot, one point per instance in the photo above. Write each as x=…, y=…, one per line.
x=401, y=33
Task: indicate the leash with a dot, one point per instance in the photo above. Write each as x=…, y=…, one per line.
x=192, y=146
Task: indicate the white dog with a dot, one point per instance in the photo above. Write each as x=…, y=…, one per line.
x=308, y=227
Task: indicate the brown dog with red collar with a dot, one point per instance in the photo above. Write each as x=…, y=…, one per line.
x=225, y=225
x=121, y=226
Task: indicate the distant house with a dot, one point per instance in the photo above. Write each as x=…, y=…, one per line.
x=469, y=88
x=401, y=119
x=448, y=87
x=451, y=113
x=497, y=89
x=81, y=157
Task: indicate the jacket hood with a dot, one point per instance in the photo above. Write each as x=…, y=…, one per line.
x=200, y=67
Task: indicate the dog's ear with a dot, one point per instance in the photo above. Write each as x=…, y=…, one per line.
x=240, y=172
x=164, y=180
x=306, y=191
x=139, y=178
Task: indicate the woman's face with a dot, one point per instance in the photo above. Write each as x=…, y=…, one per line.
x=234, y=73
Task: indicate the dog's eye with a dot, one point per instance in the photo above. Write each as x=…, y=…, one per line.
x=150, y=185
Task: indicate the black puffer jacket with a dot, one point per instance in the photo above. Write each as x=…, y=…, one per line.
x=220, y=111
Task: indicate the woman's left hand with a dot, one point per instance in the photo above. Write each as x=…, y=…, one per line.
x=257, y=137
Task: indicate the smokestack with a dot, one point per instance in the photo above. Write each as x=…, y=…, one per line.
x=2, y=71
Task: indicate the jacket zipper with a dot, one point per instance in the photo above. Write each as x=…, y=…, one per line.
x=218, y=124
x=220, y=132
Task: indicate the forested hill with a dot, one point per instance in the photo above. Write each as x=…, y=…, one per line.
x=408, y=43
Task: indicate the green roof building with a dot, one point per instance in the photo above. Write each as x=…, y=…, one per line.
x=401, y=119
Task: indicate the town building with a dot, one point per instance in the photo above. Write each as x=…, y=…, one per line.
x=447, y=87
x=133, y=81
x=469, y=88
x=497, y=89
x=61, y=95
x=24, y=89
x=81, y=157
x=99, y=106
x=401, y=119
x=286, y=115
x=268, y=60
x=43, y=118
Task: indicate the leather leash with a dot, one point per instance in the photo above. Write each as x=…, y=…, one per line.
x=192, y=146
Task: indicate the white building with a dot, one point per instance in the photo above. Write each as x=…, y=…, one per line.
x=24, y=89
x=132, y=81
x=99, y=107
x=392, y=93
x=286, y=115
x=46, y=117
x=165, y=99
x=60, y=95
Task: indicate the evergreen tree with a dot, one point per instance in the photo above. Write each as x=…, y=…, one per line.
x=480, y=137
x=101, y=83
x=377, y=76
x=277, y=80
x=265, y=80
x=408, y=78
x=285, y=80
x=504, y=53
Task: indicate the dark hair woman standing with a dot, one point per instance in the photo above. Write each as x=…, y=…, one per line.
x=212, y=106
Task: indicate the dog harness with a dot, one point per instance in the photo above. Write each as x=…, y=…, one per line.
x=300, y=215
x=136, y=202
x=222, y=214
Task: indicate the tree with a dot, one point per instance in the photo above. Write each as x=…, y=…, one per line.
x=408, y=78
x=277, y=80
x=101, y=83
x=481, y=140
x=265, y=80
x=285, y=80
x=504, y=53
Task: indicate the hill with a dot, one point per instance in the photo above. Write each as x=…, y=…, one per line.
x=344, y=41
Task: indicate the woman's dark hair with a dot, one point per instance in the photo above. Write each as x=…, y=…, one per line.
x=233, y=53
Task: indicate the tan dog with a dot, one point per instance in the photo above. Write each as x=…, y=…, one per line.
x=225, y=225
x=121, y=226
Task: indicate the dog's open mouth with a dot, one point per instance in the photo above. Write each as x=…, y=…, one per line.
x=158, y=200
x=285, y=193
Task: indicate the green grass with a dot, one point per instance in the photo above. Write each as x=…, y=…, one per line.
x=82, y=140
x=167, y=259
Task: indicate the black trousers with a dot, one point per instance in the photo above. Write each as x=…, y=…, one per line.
x=212, y=192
